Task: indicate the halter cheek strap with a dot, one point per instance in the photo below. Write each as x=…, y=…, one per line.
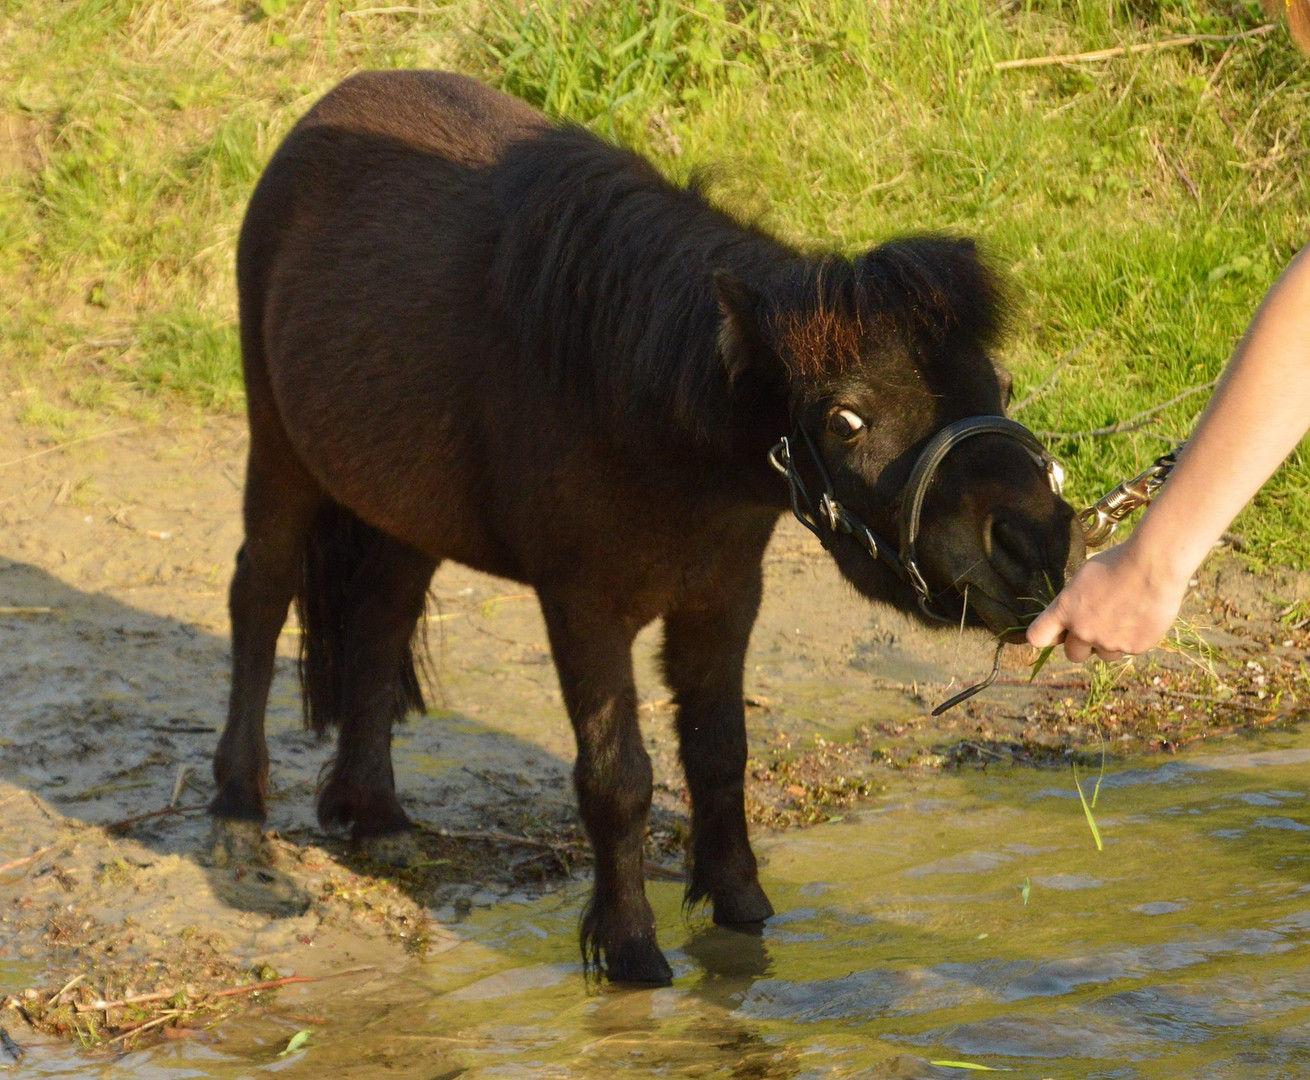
x=830, y=517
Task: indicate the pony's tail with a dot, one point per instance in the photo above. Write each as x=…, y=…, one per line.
x=337, y=545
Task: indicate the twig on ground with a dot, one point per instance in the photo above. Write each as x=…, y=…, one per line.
x=115, y=826
x=490, y=781
x=66, y=987
x=272, y=984
x=492, y=836
x=1173, y=42
x=400, y=9
x=1223, y=732
x=1048, y=383
x=194, y=729
x=560, y=852
x=986, y=751
x=1168, y=164
x=14, y=864
x=27, y=611
x=1210, y=699
x=162, y=1018
x=1119, y=427
x=177, y=786
x=1186, y=179
x=109, y=343
x=1131, y=423
x=100, y=1005
x=65, y=445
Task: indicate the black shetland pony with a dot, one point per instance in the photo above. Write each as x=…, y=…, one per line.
x=470, y=334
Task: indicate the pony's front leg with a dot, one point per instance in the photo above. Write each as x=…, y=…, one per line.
x=593, y=655
x=704, y=652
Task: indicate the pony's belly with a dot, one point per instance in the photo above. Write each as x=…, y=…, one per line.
x=417, y=490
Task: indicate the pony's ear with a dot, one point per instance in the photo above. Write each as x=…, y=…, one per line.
x=741, y=342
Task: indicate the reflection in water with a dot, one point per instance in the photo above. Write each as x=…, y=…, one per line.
x=966, y=917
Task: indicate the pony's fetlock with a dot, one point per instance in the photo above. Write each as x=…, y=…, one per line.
x=621, y=945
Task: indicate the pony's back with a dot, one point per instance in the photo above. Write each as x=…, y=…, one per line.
x=400, y=132
x=438, y=112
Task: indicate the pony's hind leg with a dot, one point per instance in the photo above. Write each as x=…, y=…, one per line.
x=593, y=655
x=280, y=502
x=384, y=601
x=704, y=652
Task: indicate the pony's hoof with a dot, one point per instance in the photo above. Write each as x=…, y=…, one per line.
x=743, y=906
x=368, y=812
x=638, y=962
x=234, y=842
x=397, y=849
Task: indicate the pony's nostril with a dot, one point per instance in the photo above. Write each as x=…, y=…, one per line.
x=1012, y=550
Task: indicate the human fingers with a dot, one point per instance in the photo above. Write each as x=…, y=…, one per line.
x=1076, y=649
x=1048, y=628
x=1109, y=655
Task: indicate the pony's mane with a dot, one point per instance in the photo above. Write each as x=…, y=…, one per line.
x=605, y=272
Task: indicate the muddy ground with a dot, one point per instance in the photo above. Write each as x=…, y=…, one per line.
x=113, y=669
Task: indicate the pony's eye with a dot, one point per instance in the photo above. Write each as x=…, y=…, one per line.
x=844, y=424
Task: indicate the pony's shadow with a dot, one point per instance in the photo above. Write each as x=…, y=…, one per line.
x=111, y=719
x=112, y=716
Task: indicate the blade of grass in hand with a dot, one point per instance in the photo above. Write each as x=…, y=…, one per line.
x=1040, y=662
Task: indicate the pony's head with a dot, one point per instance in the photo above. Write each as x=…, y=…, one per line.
x=884, y=359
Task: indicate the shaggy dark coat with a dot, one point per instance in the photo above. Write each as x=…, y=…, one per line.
x=469, y=334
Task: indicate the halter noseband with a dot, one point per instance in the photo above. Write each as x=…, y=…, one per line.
x=838, y=519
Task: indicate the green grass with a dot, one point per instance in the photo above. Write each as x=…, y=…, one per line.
x=1139, y=206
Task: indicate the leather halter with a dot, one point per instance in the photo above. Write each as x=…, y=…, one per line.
x=830, y=517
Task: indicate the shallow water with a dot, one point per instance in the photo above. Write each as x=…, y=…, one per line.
x=966, y=917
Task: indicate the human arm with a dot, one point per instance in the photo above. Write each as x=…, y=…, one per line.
x=1125, y=599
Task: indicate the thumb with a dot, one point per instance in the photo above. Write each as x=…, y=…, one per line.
x=1048, y=628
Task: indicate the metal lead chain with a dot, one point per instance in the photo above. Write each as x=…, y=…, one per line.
x=1101, y=518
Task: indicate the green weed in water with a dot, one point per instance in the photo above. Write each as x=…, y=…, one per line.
x=1096, y=792
x=297, y=1042
x=1091, y=821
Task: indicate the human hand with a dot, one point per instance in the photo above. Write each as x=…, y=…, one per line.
x=1113, y=606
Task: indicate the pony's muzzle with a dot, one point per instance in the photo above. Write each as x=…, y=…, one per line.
x=1026, y=564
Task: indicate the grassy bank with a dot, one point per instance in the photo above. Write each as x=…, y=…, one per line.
x=1139, y=204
